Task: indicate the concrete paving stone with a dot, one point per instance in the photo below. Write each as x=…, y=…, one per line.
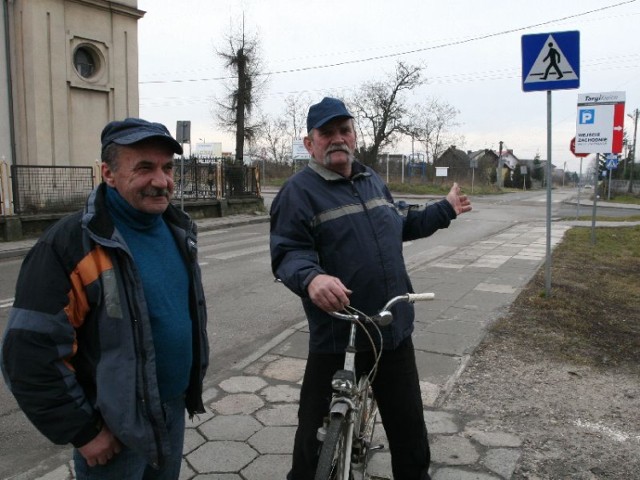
x=483, y=301
x=453, y=450
x=210, y=394
x=444, y=343
x=449, y=473
x=297, y=346
x=199, y=418
x=281, y=415
x=495, y=288
x=429, y=393
x=457, y=313
x=493, y=439
x=221, y=457
x=490, y=261
x=256, y=367
x=285, y=368
x=502, y=461
x=186, y=472
x=218, y=476
x=60, y=473
x=273, y=440
x=230, y=427
x=450, y=326
x=436, y=368
x=238, y=403
x=268, y=467
x=192, y=440
x=239, y=384
x=380, y=464
x=281, y=393
x=441, y=422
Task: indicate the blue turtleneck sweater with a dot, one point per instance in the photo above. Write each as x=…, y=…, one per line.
x=166, y=288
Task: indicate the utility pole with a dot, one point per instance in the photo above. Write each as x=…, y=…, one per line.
x=499, y=172
x=633, y=155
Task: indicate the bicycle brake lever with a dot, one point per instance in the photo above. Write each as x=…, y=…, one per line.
x=384, y=318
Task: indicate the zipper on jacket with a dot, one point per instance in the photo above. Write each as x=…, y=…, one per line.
x=142, y=354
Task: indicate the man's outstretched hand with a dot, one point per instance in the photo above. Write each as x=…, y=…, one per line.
x=459, y=202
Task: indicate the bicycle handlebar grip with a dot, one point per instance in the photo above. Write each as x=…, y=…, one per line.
x=420, y=297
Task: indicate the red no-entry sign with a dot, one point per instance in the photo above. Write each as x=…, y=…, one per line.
x=572, y=147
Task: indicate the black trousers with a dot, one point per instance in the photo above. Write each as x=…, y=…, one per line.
x=397, y=391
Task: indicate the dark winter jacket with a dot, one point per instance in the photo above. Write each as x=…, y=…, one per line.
x=324, y=223
x=78, y=350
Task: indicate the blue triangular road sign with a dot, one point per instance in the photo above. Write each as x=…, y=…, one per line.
x=550, y=61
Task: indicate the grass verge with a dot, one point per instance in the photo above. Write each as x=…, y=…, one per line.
x=592, y=316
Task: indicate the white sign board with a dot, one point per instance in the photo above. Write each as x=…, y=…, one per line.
x=441, y=171
x=208, y=150
x=599, y=124
x=298, y=150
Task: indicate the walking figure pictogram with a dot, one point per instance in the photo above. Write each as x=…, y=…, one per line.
x=554, y=58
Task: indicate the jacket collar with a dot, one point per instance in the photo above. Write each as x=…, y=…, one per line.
x=357, y=170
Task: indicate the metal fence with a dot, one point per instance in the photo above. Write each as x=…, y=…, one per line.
x=30, y=190
x=48, y=189
x=201, y=180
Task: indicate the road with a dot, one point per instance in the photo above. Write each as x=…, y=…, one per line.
x=247, y=308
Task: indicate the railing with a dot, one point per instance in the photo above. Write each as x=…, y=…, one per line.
x=49, y=189
x=27, y=190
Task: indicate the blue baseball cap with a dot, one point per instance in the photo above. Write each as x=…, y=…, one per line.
x=133, y=130
x=325, y=111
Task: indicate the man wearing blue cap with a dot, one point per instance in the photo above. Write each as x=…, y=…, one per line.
x=106, y=344
x=336, y=240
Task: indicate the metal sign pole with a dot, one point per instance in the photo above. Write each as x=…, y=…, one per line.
x=579, y=188
x=595, y=200
x=547, y=270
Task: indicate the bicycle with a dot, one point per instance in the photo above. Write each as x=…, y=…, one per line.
x=347, y=432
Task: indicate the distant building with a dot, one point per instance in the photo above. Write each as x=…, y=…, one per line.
x=457, y=162
x=67, y=67
x=485, y=162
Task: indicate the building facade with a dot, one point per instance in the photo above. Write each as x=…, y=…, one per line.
x=67, y=67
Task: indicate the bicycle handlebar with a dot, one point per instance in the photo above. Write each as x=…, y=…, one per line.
x=384, y=316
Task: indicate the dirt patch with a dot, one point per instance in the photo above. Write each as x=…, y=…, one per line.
x=563, y=372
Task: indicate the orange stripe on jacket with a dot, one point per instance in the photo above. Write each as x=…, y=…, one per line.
x=86, y=272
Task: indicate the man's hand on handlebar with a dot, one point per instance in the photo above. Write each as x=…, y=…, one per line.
x=328, y=293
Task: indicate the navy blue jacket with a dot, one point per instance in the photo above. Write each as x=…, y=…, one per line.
x=324, y=223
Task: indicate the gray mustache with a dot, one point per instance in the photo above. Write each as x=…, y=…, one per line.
x=156, y=192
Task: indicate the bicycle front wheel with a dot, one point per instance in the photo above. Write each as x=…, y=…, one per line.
x=333, y=457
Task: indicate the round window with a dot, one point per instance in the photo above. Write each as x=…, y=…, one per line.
x=86, y=62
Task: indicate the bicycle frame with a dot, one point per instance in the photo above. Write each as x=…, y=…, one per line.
x=347, y=398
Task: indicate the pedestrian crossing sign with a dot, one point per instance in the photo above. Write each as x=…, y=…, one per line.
x=551, y=61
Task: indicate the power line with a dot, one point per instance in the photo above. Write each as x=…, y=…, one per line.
x=398, y=54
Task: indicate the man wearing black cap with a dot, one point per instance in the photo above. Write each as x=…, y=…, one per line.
x=106, y=344
x=336, y=240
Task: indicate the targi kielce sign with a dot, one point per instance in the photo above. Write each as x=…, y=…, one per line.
x=600, y=122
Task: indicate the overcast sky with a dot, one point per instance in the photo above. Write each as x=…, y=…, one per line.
x=471, y=50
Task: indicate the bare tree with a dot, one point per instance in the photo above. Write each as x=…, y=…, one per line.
x=242, y=57
x=379, y=108
x=429, y=123
x=296, y=108
x=275, y=139
x=277, y=133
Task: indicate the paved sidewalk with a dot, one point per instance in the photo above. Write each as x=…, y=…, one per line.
x=248, y=432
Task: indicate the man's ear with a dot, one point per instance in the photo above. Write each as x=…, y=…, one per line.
x=107, y=174
x=307, y=143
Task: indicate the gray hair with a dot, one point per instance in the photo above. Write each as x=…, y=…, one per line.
x=110, y=155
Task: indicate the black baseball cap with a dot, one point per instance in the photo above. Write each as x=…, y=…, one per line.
x=325, y=111
x=133, y=130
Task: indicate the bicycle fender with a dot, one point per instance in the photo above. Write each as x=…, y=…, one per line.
x=340, y=408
